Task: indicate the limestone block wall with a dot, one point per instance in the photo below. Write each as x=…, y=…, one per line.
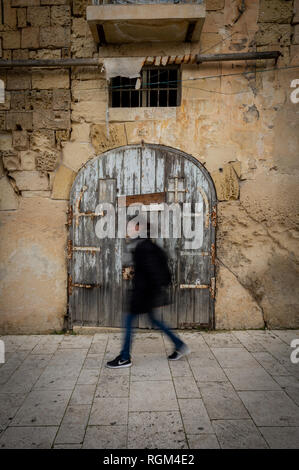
x=35, y=121
x=242, y=127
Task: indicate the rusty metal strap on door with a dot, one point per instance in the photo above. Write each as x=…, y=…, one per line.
x=194, y=286
x=214, y=216
x=86, y=286
x=86, y=249
x=78, y=213
x=71, y=285
x=211, y=287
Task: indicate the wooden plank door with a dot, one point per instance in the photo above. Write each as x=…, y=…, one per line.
x=196, y=265
x=98, y=268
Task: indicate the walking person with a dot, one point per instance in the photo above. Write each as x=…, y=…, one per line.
x=151, y=278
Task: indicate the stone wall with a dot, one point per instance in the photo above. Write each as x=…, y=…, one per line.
x=242, y=127
x=35, y=121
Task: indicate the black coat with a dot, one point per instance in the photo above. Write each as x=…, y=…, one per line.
x=151, y=278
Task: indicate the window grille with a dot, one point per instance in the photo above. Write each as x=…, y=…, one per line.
x=160, y=86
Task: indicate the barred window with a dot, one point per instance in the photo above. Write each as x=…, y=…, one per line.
x=160, y=86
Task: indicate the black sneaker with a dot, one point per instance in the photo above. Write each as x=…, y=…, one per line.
x=178, y=353
x=118, y=363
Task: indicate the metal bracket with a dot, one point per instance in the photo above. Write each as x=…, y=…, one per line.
x=86, y=249
x=212, y=287
x=77, y=212
x=214, y=216
x=85, y=286
x=213, y=253
x=194, y=286
x=69, y=216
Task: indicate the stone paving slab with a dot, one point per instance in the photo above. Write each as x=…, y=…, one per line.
x=290, y=385
x=13, y=363
x=222, y=401
x=203, y=441
x=83, y=394
x=180, y=368
x=156, y=430
x=109, y=411
x=113, y=386
x=29, y=437
x=158, y=395
x=195, y=417
x=248, y=341
x=221, y=340
x=270, y=363
x=238, y=433
x=72, y=429
x=254, y=378
x=70, y=434
x=58, y=377
x=237, y=389
x=150, y=367
x=9, y=405
x=21, y=381
x=234, y=357
x=281, y=437
x=42, y=407
x=105, y=437
x=186, y=387
x=205, y=367
x=271, y=408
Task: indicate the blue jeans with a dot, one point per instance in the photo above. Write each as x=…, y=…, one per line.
x=125, y=352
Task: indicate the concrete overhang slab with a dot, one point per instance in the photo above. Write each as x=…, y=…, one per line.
x=121, y=24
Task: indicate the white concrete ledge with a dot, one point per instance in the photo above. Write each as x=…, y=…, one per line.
x=181, y=11
x=119, y=24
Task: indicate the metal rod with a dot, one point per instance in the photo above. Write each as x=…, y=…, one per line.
x=238, y=56
x=98, y=61
x=50, y=62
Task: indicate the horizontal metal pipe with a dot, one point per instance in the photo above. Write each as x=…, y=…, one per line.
x=50, y=63
x=98, y=61
x=237, y=56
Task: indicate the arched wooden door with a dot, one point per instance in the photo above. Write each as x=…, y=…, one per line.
x=98, y=268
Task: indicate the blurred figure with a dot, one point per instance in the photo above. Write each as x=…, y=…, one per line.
x=151, y=278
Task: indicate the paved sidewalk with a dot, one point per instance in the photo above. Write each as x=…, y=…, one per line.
x=235, y=390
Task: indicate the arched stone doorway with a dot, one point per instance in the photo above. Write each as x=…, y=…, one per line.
x=155, y=176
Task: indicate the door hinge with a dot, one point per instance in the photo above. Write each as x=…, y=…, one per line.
x=69, y=216
x=194, y=286
x=87, y=249
x=212, y=287
x=69, y=249
x=71, y=285
x=213, y=253
x=214, y=216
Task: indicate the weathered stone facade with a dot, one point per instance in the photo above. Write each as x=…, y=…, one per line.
x=235, y=118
